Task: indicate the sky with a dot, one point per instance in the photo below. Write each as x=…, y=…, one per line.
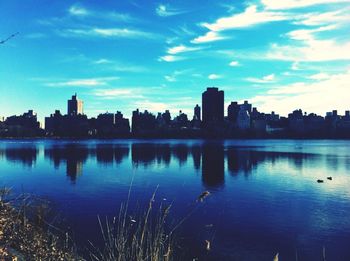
x=280, y=55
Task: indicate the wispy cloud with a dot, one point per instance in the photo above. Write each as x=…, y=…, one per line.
x=91, y=82
x=152, y=106
x=214, y=76
x=319, y=76
x=170, y=58
x=122, y=92
x=108, y=33
x=265, y=79
x=172, y=53
x=118, y=66
x=102, y=61
x=316, y=97
x=289, y=4
x=308, y=34
x=234, y=63
x=208, y=37
x=165, y=10
x=295, y=66
x=250, y=17
x=173, y=77
x=317, y=19
x=77, y=10
x=308, y=47
x=182, y=49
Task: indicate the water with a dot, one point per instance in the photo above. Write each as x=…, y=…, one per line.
x=264, y=195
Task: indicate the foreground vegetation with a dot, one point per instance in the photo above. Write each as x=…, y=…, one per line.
x=25, y=234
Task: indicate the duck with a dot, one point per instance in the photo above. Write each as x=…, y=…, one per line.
x=329, y=178
x=320, y=181
x=203, y=196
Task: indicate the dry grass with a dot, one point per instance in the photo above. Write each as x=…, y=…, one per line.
x=24, y=238
x=143, y=237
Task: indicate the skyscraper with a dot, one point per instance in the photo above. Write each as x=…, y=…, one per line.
x=75, y=106
x=213, y=106
x=197, y=113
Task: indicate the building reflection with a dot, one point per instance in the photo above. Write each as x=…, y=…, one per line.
x=213, y=168
x=180, y=152
x=108, y=154
x=27, y=156
x=75, y=156
x=147, y=154
x=196, y=152
x=207, y=158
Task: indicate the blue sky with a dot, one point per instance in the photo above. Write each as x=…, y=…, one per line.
x=157, y=55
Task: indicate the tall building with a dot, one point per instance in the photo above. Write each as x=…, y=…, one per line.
x=197, y=113
x=213, y=106
x=232, y=111
x=75, y=106
x=243, y=119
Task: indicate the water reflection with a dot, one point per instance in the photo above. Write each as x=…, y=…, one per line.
x=209, y=158
x=26, y=156
x=73, y=155
x=213, y=165
x=264, y=196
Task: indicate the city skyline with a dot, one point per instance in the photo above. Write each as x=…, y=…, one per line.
x=159, y=56
x=209, y=120
x=75, y=106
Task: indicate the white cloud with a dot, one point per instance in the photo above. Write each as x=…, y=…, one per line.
x=234, y=63
x=181, y=49
x=214, y=76
x=170, y=78
x=308, y=34
x=151, y=106
x=314, y=19
x=307, y=53
x=118, y=66
x=295, y=66
x=289, y=4
x=309, y=48
x=250, y=17
x=208, y=37
x=173, y=77
x=170, y=58
x=102, y=61
x=78, y=11
x=319, y=76
x=266, y=79
x=319, y=97
x=82, y=82
x=165, y=10
x=108, y=33
x=124, y=93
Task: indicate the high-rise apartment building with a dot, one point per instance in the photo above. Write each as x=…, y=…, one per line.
x=197, y=113
x=75, y=106
x=212, y=106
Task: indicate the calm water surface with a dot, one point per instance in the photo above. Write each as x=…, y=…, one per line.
x=264, y=195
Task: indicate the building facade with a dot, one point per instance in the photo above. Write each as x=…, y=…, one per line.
x=75, y=106
x=212, y=106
